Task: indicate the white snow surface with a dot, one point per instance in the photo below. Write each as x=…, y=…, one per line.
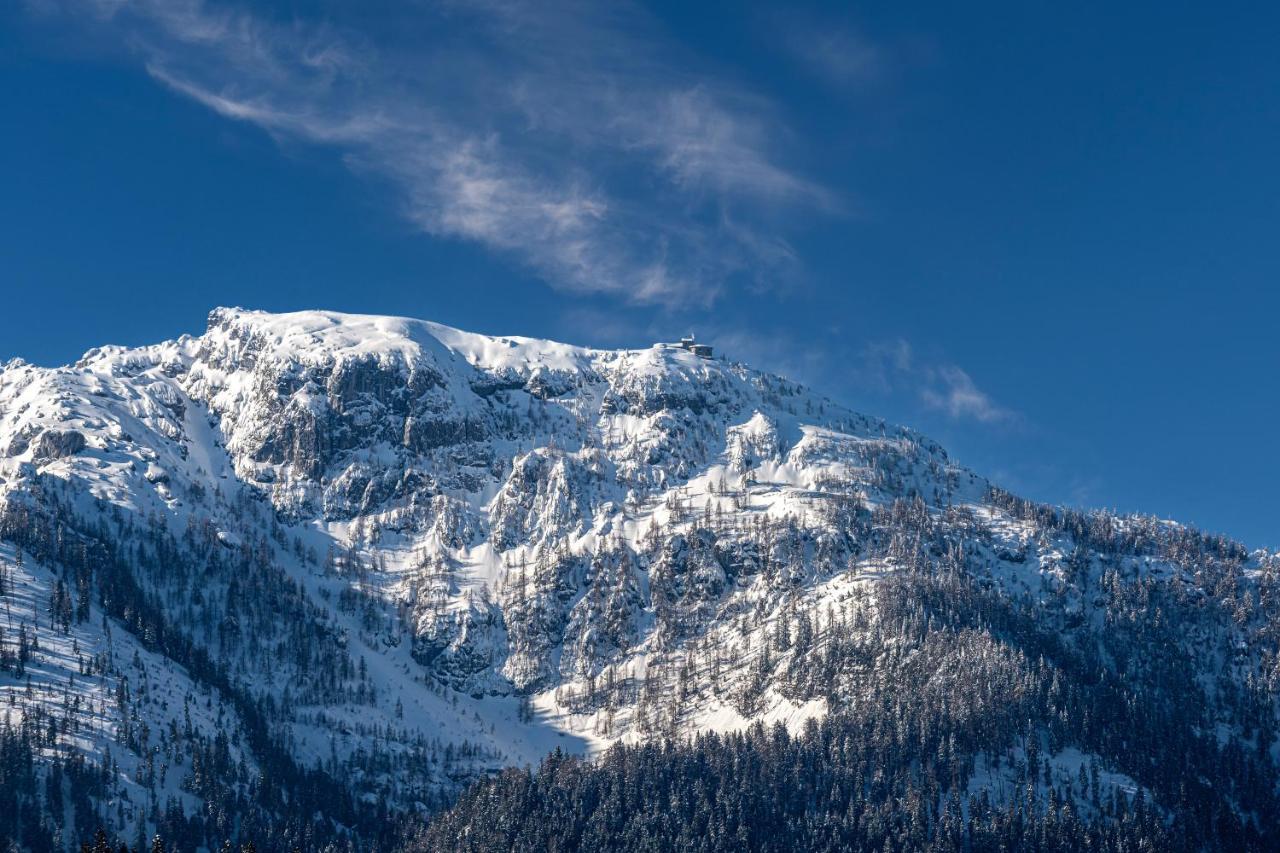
x=463, y=490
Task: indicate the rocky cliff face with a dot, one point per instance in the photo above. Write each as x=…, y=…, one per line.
x=494, y=456
x=428, y=553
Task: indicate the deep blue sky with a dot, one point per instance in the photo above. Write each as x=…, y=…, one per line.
x=1047, y=234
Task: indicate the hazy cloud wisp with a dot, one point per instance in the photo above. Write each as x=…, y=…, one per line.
x=520, y=127
x=892, y=366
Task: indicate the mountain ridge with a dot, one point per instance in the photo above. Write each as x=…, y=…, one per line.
x=390, y=557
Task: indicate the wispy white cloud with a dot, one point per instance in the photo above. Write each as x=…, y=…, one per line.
x=702, y=145
x=569, y=136
x=953, y=391
x=890, y=367
x=839, y=56
x=883, y=364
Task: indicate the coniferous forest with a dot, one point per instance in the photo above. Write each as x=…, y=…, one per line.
x=260, y=594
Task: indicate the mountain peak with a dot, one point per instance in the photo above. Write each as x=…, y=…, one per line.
x=444, y=552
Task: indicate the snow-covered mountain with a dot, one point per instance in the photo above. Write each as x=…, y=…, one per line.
x=306, y=573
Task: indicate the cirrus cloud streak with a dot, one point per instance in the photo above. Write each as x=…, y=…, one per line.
x=572, y=139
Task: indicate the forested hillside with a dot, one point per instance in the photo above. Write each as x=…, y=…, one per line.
x=325, y=581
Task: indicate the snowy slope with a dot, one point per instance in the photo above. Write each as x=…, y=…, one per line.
x=405, y=555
